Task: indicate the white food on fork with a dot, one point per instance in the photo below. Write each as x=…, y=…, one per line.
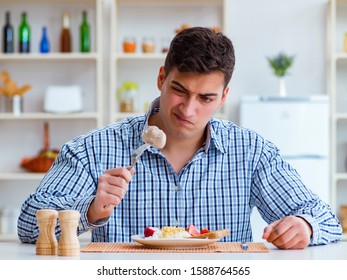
x=155, y=137
x=152, y=136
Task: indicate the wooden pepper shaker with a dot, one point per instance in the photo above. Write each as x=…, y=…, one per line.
x=46, y=243
x=69, y=244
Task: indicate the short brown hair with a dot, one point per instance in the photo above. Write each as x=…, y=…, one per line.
x=201, y=50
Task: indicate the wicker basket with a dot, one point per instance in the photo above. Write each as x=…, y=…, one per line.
x=38, y=164
x=41, y=163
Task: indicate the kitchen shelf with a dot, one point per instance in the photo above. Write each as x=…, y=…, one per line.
x=143, y=68
x=49, y=56
x=22, y=135
x=337, y=26
x=49, y=116
x=21, y=176
x=139, y=56
x=341, y=57
x=341, y=176
x=340, y=117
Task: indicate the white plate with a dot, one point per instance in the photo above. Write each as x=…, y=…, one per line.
x=171, y=243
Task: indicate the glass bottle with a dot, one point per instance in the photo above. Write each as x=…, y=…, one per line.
x=84, y=34
x=65, y=38
x=8, y=35
x=127, y=94
x=44, y=44
x=24, y=35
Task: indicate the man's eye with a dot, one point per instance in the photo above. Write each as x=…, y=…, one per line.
x=178, y=90
x=206, y=99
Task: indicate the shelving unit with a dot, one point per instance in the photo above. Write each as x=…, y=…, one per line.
x=22, y=135
x=337, y=87
x=150, y=16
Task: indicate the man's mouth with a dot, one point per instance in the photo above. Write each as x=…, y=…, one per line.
x=182, y=119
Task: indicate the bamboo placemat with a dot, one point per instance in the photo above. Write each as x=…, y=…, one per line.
x=219, y=247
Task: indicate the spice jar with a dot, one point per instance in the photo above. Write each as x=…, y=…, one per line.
x=148, y=45
x=129, y=45
x=127, y=94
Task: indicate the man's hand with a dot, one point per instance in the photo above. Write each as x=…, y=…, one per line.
x=112, y=187
x=289, y=233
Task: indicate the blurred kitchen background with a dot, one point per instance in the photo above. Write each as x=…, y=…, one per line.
x=92, y=62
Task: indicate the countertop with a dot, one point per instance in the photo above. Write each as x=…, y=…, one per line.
x=14, y=250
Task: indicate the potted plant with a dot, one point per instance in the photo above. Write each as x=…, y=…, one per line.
x=280, y=65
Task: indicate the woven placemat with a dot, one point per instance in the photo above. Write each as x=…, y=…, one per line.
x=219, y=247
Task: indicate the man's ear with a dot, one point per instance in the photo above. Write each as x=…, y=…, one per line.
x=161, y=77
x=224, y=97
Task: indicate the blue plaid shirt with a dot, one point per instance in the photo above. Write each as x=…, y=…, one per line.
x=235, y=171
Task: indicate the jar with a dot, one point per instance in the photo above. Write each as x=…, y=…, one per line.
x=148, y=45
x=8, y=220
x=165, y=45
x=127, y=95
x=129, y=45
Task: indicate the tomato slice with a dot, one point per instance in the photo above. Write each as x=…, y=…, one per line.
x=205, y=230
x=193, y=230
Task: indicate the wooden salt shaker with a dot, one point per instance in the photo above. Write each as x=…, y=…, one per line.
x=69, y=244
x=46, y=243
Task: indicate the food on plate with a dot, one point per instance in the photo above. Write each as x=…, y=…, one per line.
x=193, y=230
x=204, y=230
x=179, y=232
x=154, y=136
x=213, y=234
x=149, y=231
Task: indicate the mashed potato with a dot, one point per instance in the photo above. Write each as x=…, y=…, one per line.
x=170, y=232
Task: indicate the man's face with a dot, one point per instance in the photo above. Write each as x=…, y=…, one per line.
x=188, y=100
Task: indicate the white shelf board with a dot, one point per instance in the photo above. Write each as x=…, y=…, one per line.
x=341, y=176
x=341, y=56
x=48, y=1
x=48, y=56
x=47, y=116
x=139, y=56
x=21, y=176
x=169, y=2
x=341, y=117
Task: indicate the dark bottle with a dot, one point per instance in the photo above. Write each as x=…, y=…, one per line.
x=84, y=34
x=65, y=38
x=24, y=35
x=8, y=35
x=44, y=44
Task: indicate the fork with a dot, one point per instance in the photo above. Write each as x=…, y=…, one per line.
x=136, y=155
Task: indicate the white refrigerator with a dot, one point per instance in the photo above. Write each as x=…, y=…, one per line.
x=299, y=127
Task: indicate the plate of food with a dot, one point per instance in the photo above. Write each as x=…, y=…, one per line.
x=178, y=237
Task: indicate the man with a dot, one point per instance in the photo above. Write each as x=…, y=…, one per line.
x=210, y=173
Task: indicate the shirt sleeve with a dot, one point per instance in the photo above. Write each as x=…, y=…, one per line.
x=69, y=184
x=278, y=191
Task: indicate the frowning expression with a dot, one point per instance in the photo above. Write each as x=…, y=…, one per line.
x=188, y=100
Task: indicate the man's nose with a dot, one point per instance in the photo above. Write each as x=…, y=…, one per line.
x=188, y=107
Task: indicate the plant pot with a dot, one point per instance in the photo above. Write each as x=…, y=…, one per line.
x=282, y=87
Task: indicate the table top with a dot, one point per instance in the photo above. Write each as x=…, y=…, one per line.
x=15, y=250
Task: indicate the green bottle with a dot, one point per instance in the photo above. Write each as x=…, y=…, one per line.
x=84, y=34
x=24, y=35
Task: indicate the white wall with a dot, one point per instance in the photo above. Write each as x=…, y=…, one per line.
x=263, y=28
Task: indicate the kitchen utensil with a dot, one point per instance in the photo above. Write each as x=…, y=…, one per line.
x=136, y=155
